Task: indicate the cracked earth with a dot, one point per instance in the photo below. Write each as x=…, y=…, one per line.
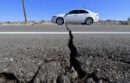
x=102, y=62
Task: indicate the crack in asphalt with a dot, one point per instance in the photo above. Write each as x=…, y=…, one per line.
x=76, y=64
x=74, y=53
x=35, y=75
x=8, y=77
x=11, y=78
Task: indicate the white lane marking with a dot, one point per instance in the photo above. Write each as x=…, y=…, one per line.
x=38, y=33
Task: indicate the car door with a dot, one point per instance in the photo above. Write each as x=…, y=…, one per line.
x=81, y=16
x=71, y=16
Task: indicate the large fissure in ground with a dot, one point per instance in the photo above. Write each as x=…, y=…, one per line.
x=74, y=63
x=82, y=75
x=74, y=53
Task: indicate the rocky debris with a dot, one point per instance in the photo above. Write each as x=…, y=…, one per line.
x=90, y=80
x=63, y=79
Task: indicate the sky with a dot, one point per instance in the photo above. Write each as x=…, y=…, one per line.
x=12, y=10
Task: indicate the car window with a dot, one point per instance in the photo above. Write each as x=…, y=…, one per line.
x=74, y=12
x=78, y=12
x=83, y=11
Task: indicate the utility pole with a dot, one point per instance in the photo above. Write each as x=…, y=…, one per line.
x=25, y=16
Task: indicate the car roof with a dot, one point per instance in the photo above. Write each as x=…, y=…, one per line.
x=81, y=9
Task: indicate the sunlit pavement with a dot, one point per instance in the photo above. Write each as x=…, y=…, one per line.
x=102, y=48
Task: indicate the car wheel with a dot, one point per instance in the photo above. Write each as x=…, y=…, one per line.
x=60, y=21
x=89, y=21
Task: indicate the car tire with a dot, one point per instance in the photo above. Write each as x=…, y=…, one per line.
x=60, y=21
x=89, y=21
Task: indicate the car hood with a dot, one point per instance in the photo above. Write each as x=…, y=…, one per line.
x=60, y=15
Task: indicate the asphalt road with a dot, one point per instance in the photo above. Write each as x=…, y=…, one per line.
x=21, y=54
x=58, y=28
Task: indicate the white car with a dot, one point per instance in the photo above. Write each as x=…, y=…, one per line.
x=76, y=16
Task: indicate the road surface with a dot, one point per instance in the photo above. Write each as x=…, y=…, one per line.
x=58, y=28
x=23, y=49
